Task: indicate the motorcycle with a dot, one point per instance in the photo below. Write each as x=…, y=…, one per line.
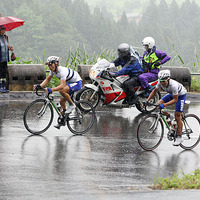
x=108, y=89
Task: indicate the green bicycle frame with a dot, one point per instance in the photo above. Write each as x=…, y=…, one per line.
x=163, y=118
x=54, y=106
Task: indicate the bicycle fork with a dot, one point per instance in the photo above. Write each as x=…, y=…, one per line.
x=42, y=110
x=154, y=125
x=187, y=130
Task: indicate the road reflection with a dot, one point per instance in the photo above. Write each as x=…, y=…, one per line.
x=108, y=157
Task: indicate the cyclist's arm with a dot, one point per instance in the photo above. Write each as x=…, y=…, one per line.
x=60, y=87
x=46, y=81
x=173, y=101
x=152, y=94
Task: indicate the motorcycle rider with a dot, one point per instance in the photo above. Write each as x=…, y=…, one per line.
x=176, y=95
x=151, y=61
x=131, y=67
x=70, y=81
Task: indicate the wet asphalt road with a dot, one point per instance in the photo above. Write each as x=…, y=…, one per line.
x=106, y=163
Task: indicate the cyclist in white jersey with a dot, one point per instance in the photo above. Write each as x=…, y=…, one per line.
x=70, y=81
x=176, y=95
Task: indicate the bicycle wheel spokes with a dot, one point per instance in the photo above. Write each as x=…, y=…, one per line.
x=190, y=132
x=79, y=121
x=38, y=116
x=150, y=132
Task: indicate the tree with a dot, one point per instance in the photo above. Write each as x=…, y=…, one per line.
x=123, y=22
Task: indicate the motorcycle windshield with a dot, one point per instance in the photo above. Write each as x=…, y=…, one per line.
x=101, y=64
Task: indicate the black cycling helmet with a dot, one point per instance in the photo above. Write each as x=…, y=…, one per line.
x=123, y=50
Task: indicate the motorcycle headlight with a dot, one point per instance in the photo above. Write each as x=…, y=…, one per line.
x=92, y=74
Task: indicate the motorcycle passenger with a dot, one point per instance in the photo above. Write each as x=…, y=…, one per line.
x=70, y=81
x=151, y=61
x=131, y=67
x=177, y=95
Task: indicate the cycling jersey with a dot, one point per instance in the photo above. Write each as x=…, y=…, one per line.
x=173, y=88
x=67, y=74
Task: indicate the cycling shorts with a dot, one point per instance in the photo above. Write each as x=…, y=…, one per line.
x=74, y=86
x=179, y=104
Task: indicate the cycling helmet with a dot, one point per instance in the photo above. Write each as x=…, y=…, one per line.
x=51, y=60
x=164, y=75
x=148, y=41
x=123, y=50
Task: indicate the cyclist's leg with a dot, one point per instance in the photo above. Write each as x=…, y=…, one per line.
x=63, y=105
x=166, y=98
x=67, y=91
x=178, y=111
x=179, y=123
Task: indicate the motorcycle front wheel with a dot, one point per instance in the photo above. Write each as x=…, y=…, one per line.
x=89, y=95
x=154, y=100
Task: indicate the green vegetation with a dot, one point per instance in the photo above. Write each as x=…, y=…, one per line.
x=189, y=181
x=58, y=28
x=80, y=57
x=195, y=84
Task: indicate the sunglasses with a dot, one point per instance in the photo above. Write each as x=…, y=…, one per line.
x=162, y=80
x=49, y=63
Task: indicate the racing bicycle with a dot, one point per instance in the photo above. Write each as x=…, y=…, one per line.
x=39, y=115
x=150, y=131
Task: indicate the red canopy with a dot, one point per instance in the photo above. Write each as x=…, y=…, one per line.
x=11, y=22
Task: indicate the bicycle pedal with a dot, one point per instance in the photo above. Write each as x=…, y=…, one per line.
x=57, y=126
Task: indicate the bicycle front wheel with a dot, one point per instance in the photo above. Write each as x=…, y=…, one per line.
x=38, y=116
x=150, y=132
x=81, y=121
x=190, y=132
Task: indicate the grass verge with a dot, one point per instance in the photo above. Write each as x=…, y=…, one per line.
x=195, y=84
x=189, y=181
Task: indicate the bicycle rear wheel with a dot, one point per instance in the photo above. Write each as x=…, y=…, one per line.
x=190, y=132
x=38, y=116
x=81, y=121
x=150, y=132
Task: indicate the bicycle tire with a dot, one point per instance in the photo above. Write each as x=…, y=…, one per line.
x=81, y=121
x=190, y=140
x=38, y=116
x=85, y=94
x=149, y=109
x=150, y=132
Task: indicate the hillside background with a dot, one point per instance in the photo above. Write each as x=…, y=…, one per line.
x=116, y=7
x=57, y=27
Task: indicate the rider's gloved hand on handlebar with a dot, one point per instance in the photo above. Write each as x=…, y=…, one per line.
x=49, y=90
x=145, y=103
x=161, y=106
x=37, y=87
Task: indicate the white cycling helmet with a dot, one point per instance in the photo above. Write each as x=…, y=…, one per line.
x=164, y=75
x=148, y=41
x=52, y=59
